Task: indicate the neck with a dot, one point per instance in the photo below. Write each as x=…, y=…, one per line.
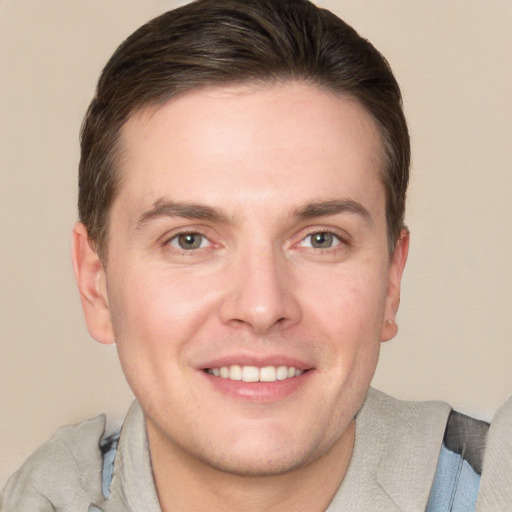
x=185, y=483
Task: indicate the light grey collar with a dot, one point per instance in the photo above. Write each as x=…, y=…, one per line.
x=133, y=487
x=395, y=455
x=392, y=468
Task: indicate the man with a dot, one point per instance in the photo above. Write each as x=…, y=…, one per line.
x=242, y=192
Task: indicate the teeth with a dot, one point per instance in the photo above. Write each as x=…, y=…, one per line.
x=282, y=372
x=268, y=374
x=235, y=372
x=255, y=374
x=250, y=374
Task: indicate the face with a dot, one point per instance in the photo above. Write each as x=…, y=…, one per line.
x=249, y=280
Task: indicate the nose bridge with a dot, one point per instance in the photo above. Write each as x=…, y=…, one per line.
x=258, y=293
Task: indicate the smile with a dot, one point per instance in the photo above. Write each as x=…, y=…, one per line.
x=255, y=374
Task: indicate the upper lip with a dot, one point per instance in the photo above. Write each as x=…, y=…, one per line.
x=255, y=360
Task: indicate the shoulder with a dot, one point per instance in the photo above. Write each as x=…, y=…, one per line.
x=395, y=454
x=62, y=474
x=387, y=411
x=402, y=431
x=496, y=484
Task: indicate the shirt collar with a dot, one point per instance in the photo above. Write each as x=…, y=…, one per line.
x=392, y=468
x=395, y=455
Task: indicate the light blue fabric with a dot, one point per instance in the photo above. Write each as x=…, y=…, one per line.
x=108, y=467
x=455, y=486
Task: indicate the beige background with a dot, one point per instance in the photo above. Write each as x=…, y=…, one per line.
x=453, y=60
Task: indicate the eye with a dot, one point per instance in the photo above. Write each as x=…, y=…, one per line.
x=321, y=240
x=189, y=241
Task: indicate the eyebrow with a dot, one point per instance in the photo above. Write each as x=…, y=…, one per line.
x=167, y=208
x=333, y=207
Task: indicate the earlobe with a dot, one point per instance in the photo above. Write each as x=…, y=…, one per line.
x=396, y=269
x=91, y=280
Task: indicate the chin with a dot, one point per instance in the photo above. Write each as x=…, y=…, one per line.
x=259, y=465
x=269, y=453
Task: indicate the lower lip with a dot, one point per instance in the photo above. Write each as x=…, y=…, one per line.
x=259, y=392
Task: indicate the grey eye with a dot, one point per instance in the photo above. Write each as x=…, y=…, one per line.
x=189, y=241
x=322, y=240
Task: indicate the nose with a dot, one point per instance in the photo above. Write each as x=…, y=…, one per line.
x=260, y=294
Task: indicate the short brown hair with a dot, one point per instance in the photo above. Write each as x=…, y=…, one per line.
x=219, y=42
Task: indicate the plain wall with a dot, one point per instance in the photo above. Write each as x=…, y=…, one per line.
x=453, y=61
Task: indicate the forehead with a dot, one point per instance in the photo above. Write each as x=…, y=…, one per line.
x=244, y=144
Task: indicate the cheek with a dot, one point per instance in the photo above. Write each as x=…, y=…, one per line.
x=153, y=316
x=348, y=317
x=348, y=300
x=157, y=302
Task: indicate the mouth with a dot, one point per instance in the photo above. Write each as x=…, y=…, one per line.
x=242, y=373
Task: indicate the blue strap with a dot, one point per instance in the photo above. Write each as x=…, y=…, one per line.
x=108, y=447
x=455, y=486
x=457, y=478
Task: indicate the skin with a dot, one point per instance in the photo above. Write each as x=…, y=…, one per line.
x=257, y=176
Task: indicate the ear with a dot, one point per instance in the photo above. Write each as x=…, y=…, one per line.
x=91, y=280
x=396, y=269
